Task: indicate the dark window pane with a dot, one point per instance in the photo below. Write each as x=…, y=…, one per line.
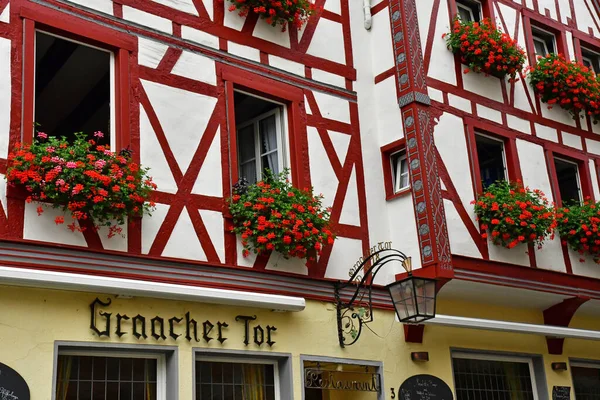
x=125, y=391
x=125, y=372
x=138, y=391
x=490, y=153
x=205, y=371
x=112, y=390
x=151, y=367
x=72, y=87
x=139, y=370
x=568, y=181
x=112, y=368
x=99, y=368
x=85, y=390
x=99, y=391
x=228, y=392
x=85, y=368
x=227, y=373
x=217, y=373
x=206, y=392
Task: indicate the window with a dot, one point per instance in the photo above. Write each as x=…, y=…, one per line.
x=569, y=186
x=74, y=88
x=586, y=380
x=493, y=377
x=108, y=377
x=590, y=59
x=399, y=162
x=259, y=125
x=469, y=10
x=226, y=379
x=492, y=161
x=544, y=42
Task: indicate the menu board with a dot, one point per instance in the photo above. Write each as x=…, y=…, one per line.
x=425, y=387
x=561, y=393
x=12, y=385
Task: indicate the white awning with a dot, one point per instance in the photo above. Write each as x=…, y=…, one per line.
x=130, y=287
x=515, y=327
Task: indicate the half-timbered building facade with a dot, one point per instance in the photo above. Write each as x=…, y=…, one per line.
x=365, y=104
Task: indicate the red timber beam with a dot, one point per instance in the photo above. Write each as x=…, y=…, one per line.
x=560, y=315
x=418, y=122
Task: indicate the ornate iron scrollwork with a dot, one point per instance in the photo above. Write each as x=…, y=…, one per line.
x=356, y=313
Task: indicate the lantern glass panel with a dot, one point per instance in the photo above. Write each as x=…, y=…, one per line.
x=414, y=299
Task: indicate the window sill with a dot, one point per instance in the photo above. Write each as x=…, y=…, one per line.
x=401, y=193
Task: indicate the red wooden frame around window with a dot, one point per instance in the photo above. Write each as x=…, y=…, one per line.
x=529, y=21
x=121, y=44
x=583, y=169
x=386, y=162
x=289, y=95
x=513, y=169
x=487, y=9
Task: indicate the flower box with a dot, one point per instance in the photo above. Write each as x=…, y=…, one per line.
x=277, y=12
x=510, y=214
x=568, y=84
x=84, y=179
x=273, y=215
x=578, y=227
x=486, y=49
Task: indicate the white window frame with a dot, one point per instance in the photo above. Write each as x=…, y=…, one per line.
x=495, y=139
x=469, y=9
x=243, y=360
x=280, y=126
x=161, y=364
x=535, y=33
x=397, y=171
x=112, y=99
x=494, y=357
x=577, y=177
x=589, y=60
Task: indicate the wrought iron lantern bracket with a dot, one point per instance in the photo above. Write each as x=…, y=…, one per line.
x=357, y=312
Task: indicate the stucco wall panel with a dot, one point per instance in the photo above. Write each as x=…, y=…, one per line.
x=350, y=210
x=196, y=67
x=262, y=30
x=152, y=156
x=333, y=107
x=328, y=42
x=209, y=181
x=186, y=6
x=150, y=52
x=585, y=20
x=183, y=116
x=43, y=228
x=214, y=223
x=105, y=6
x=343, y=256
x=146, y=19
x=151, y=226
x=381, y=35
x=461, y=241
x=584, y=265
x=387, y=112
x=322, y=176
x=486, y=86
x=184, y=242
x=200, y=37
x=442, y=66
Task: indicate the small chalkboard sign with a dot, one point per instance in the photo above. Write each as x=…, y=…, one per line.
x=424, y=387
x=561, y=393
x=12, y=385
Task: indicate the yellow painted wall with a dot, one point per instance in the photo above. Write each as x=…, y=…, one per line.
x=31, y=320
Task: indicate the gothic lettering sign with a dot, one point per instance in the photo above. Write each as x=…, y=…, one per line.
x=338, y=380
x=378, y=247
x=12, y=385
x=424, y=387
x=104, y=323
x=561, y=393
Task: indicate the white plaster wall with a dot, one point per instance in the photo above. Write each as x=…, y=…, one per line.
x=146, y=19
x=249, y=53
x=333, y=107
x=186, y=6
x=105, y=6
x=350, y=212
x=583, y=265
x=286, y=65
x=210, y=180
x=442, y=66
x=386, y=112
x=586, y=20
x=262, y=30
x=450, y=140
x=150, y=52
x=196, y=67
x=215, y=226
x=343, y=256
x=183, y=116
x=43, y=228
x=328, y=42
x=5, y=96
x=460, y=238
x=151, y=225
x=199, y=37
x=184, y=242
x=381, y=34
x=328, y=78
x=323, y=178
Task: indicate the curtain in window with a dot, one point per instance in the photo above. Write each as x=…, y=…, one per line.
x=247, y=155
x=268, y=139
x=63, y=375
x=254, y=379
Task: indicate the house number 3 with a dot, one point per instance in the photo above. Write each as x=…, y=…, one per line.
x=393, y=393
